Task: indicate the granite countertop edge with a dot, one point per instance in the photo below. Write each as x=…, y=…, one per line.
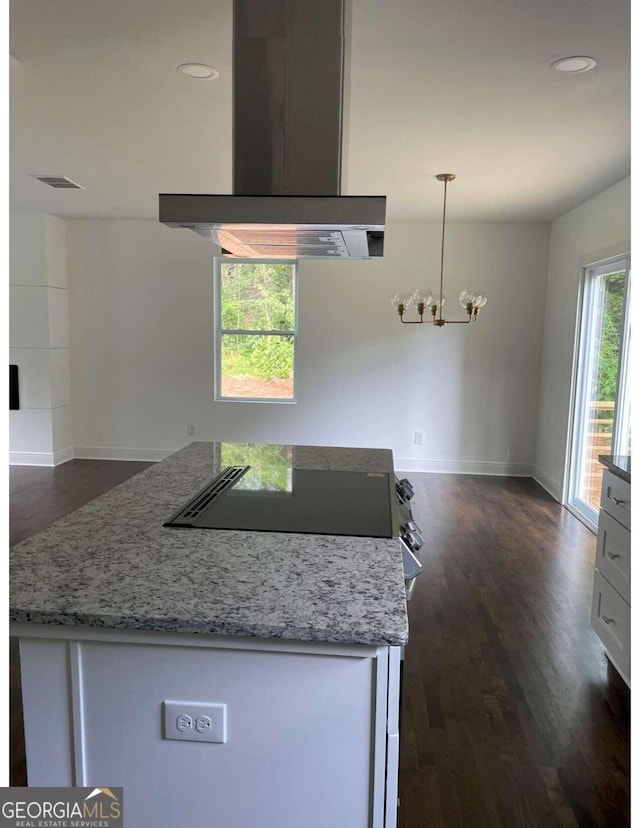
x=204, y=627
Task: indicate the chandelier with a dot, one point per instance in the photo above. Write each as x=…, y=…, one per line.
x=471, y=300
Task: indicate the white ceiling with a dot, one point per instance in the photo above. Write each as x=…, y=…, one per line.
x=433, y=86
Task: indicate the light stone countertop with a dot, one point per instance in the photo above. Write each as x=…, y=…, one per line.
x=112, y=564
x=618, y=464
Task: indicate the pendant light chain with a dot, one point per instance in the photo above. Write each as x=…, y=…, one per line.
x=444, y=216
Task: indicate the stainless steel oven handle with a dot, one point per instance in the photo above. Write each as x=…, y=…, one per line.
x=412, y=566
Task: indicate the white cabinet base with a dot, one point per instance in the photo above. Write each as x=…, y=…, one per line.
x=618, y=669
x=611, y=602
x=309, y=726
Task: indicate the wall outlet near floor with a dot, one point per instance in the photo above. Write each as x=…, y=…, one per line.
x=418, y=438
x=195, y=721
x=191, y=431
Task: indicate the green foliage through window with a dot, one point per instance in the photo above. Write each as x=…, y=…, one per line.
x=263, y=357
x=257, y=297
x=610, y=337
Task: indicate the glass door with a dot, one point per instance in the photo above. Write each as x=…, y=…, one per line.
x=602, y=406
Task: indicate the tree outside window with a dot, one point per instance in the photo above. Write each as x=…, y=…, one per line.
x=256, y=329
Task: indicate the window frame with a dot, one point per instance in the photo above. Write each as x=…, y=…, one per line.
x=582, y=365
x=219, y=331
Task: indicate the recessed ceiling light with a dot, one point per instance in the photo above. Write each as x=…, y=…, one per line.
x=574, y=64
x=199, y=70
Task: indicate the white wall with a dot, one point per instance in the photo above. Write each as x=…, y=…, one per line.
x=142, y=356
x=595, y=230
x=40, y=431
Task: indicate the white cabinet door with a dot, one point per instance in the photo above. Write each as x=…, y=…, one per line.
x=613, y=554
x=611, y=619
x=616, y=498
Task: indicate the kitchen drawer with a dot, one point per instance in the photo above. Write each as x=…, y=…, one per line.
x=610, y=618
x=613, y=554
x=616, y=498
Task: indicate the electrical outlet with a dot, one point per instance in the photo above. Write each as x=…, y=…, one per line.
x=418, y=438
x=195, y=721
x=191, y=431
x=203, y=724
x=184, y=722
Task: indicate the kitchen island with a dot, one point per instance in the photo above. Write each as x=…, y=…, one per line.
x=297, y=635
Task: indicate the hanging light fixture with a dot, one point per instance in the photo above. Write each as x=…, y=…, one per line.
x=471, y=300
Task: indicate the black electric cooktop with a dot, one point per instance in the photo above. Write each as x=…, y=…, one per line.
x=311, y=501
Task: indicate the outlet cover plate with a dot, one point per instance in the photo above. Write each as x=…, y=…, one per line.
x=195, y=721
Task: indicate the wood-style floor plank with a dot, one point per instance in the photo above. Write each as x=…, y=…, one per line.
x=511, y=715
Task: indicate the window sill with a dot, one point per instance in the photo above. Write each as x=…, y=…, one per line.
x=278, y=400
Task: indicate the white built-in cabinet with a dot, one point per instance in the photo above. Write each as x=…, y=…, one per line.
x=611, y=605
x=312, y=728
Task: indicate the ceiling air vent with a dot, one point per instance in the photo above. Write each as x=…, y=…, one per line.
x=60, y=182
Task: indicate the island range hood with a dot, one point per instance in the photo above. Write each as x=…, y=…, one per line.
x=288, y=69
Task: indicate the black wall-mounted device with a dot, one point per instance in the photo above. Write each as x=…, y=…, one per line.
x=14, y=390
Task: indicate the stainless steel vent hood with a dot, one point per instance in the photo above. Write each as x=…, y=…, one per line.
x=288, y=66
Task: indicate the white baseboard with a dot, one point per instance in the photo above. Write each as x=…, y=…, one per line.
x=102, y=453
x=412, y=464
x=63, y=456
x=31, y=458
x=40, y=458
x=548, y=484
x=402, y=464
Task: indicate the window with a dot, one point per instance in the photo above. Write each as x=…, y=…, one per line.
x=256, y=325
x=601, y=416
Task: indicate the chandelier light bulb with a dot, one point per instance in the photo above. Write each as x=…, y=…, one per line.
x=466, y=298
x=423, y=297
x=403, y=299
x=476, y=298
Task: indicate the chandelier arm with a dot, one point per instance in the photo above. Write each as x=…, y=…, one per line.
x=411, y=321
x=456, y=321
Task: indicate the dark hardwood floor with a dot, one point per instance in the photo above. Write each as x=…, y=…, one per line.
x=511, y=714
x=39, y=496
